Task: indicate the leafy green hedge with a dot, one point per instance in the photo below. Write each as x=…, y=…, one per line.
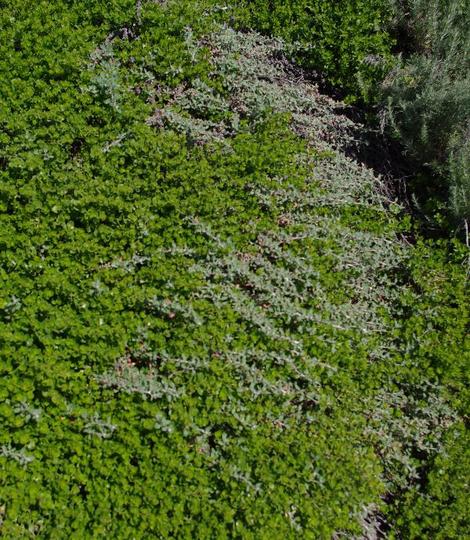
x=208, y=323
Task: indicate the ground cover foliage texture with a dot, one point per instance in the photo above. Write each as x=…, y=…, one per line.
x=212, y=325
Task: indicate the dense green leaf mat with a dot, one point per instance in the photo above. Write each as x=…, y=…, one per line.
x=211, y=324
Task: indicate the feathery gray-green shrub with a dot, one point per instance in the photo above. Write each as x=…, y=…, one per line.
x=427, y=94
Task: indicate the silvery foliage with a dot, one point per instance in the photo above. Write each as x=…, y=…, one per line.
x=91, y=424
x=399, y=432
x=97, y=427
x=105, y=79
x=162, y=423
x=128, y=265
x=372, y=524
x=174, y=307
x=258, y=80
x=148, y=383
x=28, y=412
x=17, y=455
x=12, y=306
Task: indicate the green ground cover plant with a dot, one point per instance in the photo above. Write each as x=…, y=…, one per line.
x=347, y=41
x=211, y=322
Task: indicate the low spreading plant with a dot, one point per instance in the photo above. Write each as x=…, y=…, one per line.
x=212, y=325
x=347, y=42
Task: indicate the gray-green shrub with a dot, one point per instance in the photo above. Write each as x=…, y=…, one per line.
x=426, y=97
